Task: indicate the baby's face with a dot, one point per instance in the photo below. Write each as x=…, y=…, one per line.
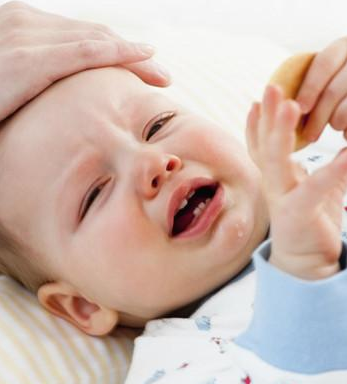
x=88, y=182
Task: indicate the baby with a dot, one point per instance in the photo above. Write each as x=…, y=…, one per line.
x=121, y=159
x=122, y=206
x=102, y=192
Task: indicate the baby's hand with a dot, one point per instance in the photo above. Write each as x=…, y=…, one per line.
x=324, y=90
x=305, y=210
x=38, y=48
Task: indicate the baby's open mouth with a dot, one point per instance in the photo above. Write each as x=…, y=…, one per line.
x=192, y=207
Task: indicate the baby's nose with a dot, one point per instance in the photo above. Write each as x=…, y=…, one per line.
x=153, y=170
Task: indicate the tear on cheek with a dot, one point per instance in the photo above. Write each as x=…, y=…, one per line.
x=240, y=228
x=236, y=233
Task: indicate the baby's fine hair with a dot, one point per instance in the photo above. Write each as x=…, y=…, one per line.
x=17, y=260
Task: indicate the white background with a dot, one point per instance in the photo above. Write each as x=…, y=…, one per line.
x=295, y=24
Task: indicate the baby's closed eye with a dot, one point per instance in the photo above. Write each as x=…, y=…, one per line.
x=158, y=123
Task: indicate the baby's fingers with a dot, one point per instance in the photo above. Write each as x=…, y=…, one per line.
x=272, y=98
x=280, y=169
x=324, y=183
x=260, y=122
x=283, y=136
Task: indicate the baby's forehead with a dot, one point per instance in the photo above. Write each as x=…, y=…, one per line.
x=92, y=91
x=113, y=85
x=112, y=90
x=76, y=105
x=78, y=96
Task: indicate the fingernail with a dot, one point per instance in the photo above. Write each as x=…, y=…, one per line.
x=162, y=72
x=146, y=49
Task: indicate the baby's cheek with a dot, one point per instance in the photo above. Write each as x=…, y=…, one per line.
x=209, y=141
x=226, y=153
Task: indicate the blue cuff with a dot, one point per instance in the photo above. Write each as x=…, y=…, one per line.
x=298, y=325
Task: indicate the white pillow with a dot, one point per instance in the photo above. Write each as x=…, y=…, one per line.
x=216, y=75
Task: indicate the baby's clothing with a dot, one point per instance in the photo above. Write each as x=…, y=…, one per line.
x=264, y=327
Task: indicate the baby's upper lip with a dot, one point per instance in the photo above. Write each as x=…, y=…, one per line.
x=181, y=193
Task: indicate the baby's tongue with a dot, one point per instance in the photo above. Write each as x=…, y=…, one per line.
x=185, y=216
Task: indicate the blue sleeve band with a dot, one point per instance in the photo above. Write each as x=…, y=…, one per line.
x=298, y=325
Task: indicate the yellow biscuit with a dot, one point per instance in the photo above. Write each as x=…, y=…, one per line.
x=289, y=77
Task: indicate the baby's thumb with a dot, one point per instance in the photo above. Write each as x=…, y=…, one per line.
x=326, y=181
x=340, y=163
x=336, y=171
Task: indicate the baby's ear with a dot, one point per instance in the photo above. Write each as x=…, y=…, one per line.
x=64, y=301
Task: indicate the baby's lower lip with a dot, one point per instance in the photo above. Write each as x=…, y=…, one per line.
x=207, y=218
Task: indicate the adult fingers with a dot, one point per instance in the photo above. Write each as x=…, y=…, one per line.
x=62, y=60
x=150, y=72
x=23, y=16
x=331, y=97
x=58, y=22
x=57, y=63
x=35, y=38
x=323, y=68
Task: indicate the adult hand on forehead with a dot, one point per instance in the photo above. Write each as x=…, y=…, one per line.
x=38, y=48
x=323, y=93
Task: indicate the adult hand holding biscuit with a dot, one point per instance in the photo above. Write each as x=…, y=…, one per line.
x=323, y=93
x=289, y=77
x=305, y=210
x=38, y=48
